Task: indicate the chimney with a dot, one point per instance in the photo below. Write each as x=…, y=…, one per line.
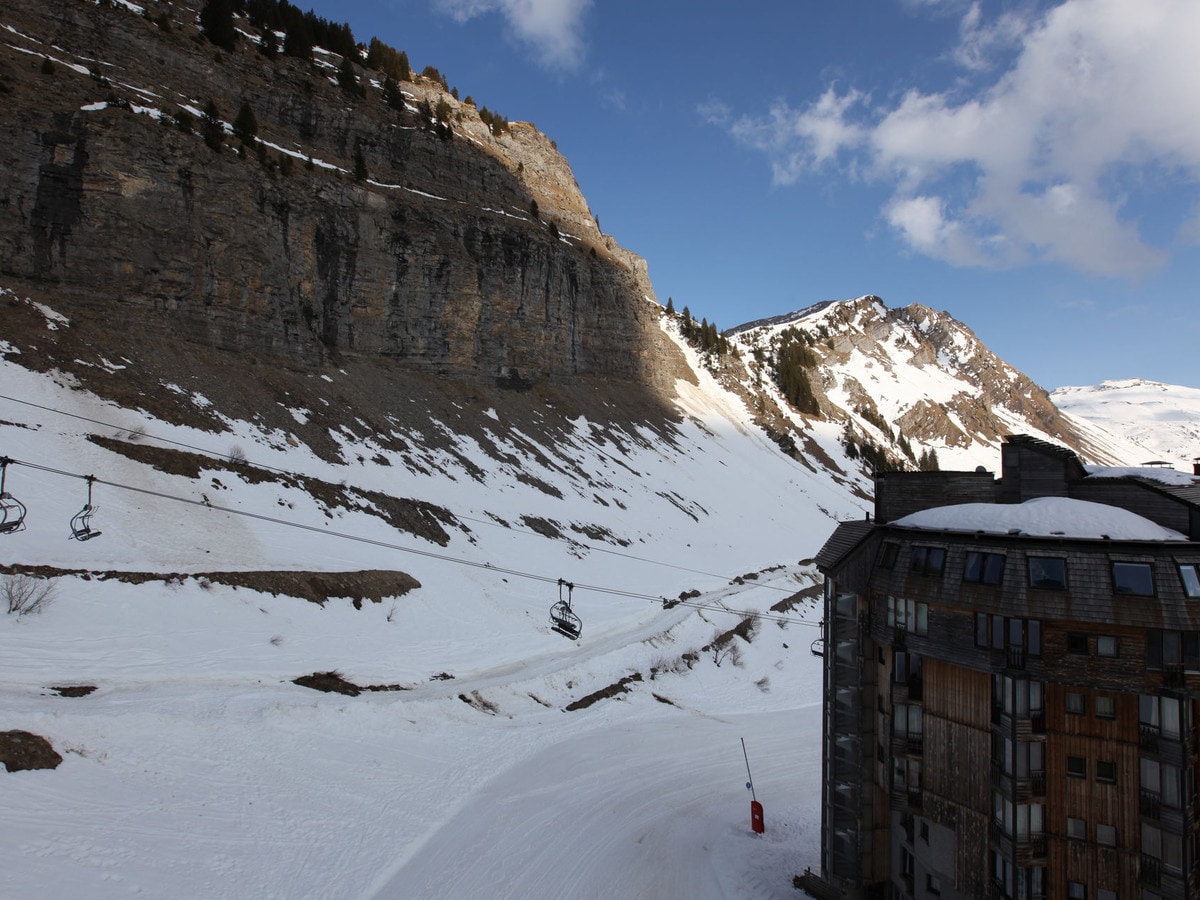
x=1196, y=466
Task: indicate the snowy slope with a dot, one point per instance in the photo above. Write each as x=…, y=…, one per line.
x=197, y=768
x=1163, y=420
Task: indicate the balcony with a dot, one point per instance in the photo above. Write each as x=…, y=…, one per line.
x=1150, y=871
x=1030, y=848
x=1015, y=657
x=1173, y=676
x=1037, y=784
x=1149, y=804
x=1148, y=737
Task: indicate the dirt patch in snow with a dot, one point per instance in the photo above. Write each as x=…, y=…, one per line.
x=316, y=587
x=73, y=690
x=613, y=690
x=336, y=683
x=21, y=750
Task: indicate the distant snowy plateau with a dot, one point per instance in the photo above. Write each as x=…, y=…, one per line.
x=495, y=758
x=1163, y=418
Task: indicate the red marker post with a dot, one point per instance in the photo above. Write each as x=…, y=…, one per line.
x=756, y=808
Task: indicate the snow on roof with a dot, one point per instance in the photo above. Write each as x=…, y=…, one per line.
x=1043, y=516
x=1161, y=474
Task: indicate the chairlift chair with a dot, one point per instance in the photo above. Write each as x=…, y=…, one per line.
x=12, y=510
x=81, y=522
x=562, y=618
x=818, y=647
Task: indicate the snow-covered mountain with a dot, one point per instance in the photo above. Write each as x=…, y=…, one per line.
x=1163, y=419
x=912, y=381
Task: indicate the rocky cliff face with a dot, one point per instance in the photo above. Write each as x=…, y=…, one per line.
x=437, y=258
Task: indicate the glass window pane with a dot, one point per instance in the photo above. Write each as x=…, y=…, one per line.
x=973, y=566
x=922, y=626
x=1034, y=631
x=1047, y=572
x=1172, y=649
x=993, y=568
x=1190, y=574
x=1016, y=633
x=1133, y=578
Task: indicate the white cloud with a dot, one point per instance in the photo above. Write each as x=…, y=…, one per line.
x=1040, y=164
x=552, y=28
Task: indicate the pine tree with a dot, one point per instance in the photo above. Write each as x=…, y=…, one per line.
x=392, y=95
x=216, y=23
x=348, y=79
x=670, y=306
x=245, y=126
x=268, y=45
x=298, y=39
x=211, y=128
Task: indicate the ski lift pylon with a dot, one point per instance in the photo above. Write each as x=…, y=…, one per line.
x=12, y=510
x=562, y=617
x=81, y=522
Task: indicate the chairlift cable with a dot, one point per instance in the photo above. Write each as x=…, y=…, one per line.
x=516, y=573
x=509, y=528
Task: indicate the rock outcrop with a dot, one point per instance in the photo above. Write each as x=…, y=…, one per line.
x=473, y=255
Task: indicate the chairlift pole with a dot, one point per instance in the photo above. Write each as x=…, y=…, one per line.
x=756, y=808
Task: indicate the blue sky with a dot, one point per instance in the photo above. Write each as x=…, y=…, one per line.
x=1031, y=168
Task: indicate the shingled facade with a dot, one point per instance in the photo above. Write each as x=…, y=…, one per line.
x=1011, y=712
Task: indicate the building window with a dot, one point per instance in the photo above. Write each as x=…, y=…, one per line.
x=1159, y=716
x=983, y=568
x=928, y=560
x=1133, y=578
x=1077, y=643
x=1170, y=649
x=909, y=615
x=887, y=555
x=924, y=832
x=998, y=632
x=1189, y=573
x=907, y=721
x=933, y=885
x=1076, y=890
x=1105, y=707
x=1163, y=846
x=1076, y=705
x=1106, y=771
x=906, y=669
x=1162, y=783
x=1106, y=645
x=1076, y=767
x=1048, y=572
x=1076, y=829
x=1106, y=835
x=1018, y=697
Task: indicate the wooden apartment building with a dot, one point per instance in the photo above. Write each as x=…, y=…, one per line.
x=1012, y=670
